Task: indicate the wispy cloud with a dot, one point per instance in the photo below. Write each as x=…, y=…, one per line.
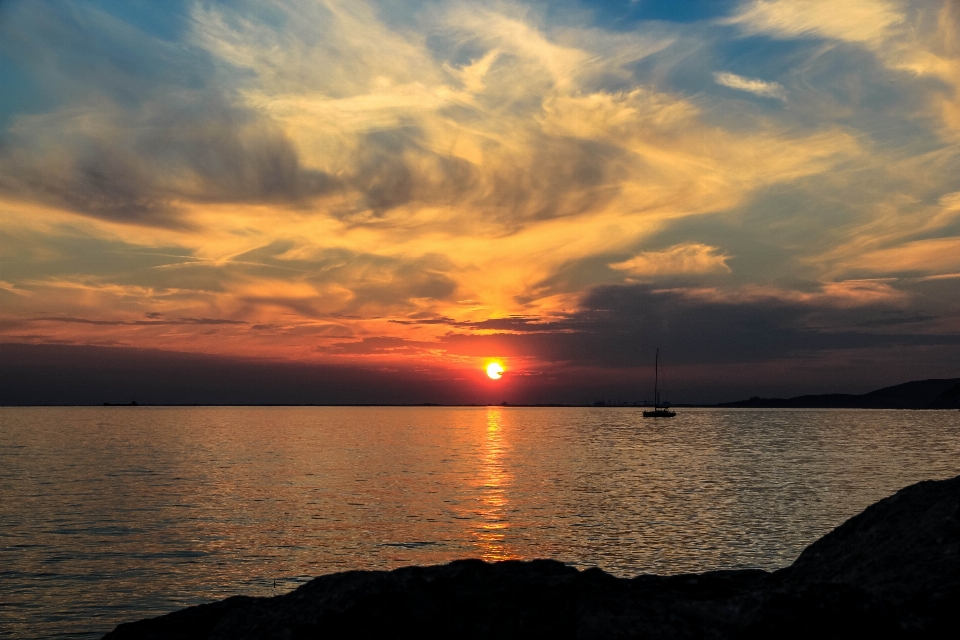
x=864, y=21
x=751, y=85
x=681, y=259
x=923, y=256
x=329, y=170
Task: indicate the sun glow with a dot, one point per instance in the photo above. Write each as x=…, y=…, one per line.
x=495, y=370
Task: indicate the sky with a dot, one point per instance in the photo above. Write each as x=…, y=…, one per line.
x=324, y=201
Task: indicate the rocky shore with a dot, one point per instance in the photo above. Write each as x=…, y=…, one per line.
x=893, y=571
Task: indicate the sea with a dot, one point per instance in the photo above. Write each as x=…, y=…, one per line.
x=112, y=514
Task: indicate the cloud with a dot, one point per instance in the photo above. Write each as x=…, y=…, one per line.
x=129, y=150
x=919, y=38
x=751, y=85
x=136, y=167
x=931, y=49
x=340, y=115
x=466, y=176
x=862, y=21
x=378, y=345
x=342, y=280
x=617, y=323
x=679, y=259
x=928, y=257
x=950, y=201
x=151, y=321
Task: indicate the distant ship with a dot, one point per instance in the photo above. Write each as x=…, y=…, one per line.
x=657, y=411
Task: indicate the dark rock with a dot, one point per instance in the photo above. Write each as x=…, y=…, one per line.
x=192, y=623
x=904, y=550
x=905, y=544
x=891, y=571
x=823, y=611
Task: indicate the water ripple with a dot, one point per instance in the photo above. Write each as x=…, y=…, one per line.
x=112, y=514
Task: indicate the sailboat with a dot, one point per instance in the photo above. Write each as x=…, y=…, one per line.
x=657, y=411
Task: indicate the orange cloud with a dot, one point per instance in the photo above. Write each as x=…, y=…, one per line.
x=689, y=258
x=329, y=176
x=937, y=255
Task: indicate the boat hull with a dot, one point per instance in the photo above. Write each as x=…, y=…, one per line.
x=659, y=413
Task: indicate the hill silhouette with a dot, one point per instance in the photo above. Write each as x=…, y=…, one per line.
x=919, y=394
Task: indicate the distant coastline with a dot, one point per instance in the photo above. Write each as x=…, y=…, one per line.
x=936, y=394
x=919, y=394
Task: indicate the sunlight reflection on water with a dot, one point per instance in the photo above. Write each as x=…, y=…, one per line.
x=495, y=482
x=112, y=514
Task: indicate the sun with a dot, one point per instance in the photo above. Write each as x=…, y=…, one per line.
x=495, y=370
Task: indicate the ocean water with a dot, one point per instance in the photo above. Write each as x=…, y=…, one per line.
x=117, y=513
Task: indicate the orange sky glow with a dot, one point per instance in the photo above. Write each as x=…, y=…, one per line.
x=773, y=188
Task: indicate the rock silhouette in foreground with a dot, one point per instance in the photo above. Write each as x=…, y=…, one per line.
x=891, y=571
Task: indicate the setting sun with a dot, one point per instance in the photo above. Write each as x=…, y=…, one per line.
x=495, y=370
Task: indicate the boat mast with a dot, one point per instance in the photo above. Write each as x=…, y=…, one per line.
x=656, y=376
